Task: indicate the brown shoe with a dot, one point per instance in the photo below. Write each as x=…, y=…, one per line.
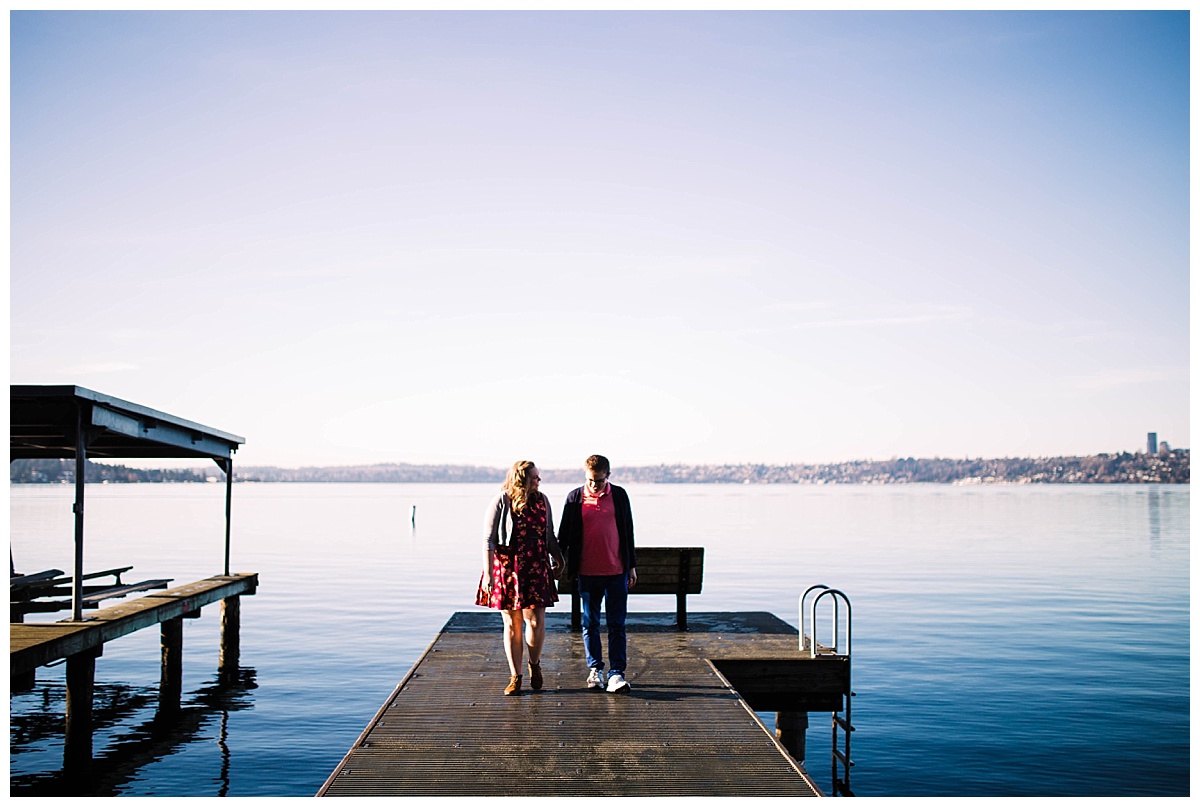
x=514, y=686
x=535, y=675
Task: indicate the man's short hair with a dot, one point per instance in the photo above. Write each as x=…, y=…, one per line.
x=597, y=463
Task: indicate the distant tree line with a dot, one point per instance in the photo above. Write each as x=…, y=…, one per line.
x=1164, y=467
x=387, y=472
x=61, y=471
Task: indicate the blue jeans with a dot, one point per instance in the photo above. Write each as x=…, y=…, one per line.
x=593, y=591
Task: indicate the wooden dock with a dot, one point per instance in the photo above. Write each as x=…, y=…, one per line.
x=81, y=642
x=33, y=644
x=687, y=727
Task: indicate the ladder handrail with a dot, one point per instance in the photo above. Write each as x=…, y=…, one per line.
x=841, y=785
x=803, y=635
x=837, y=595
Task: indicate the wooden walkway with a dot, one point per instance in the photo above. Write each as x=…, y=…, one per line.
x=682, y=729
x=32, y=644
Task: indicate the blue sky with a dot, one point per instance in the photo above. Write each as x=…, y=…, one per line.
x=666, y=237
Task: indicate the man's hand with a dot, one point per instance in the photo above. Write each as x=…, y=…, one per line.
x=632, y=577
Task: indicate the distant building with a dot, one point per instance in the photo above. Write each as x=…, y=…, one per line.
x=1164, y=447
x=1152, y=443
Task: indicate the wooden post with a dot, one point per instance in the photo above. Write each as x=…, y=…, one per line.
x=170, y=683
x=685, y=572
x=80, y=478
x=228, y=466
x=231, y=620
x=789, y=730
x=81, y=682
x=21, y=682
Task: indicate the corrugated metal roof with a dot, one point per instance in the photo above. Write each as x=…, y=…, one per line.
x=43, y=424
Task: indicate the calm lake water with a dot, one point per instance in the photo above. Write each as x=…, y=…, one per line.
x=1008, y=640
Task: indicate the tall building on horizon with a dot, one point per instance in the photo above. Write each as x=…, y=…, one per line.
x=1152, y=443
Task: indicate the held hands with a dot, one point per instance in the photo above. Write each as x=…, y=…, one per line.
x=557, y=565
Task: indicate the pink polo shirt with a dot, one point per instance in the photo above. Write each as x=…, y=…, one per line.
x=601, y=544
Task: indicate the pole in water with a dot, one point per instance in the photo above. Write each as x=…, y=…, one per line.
x=414, y=515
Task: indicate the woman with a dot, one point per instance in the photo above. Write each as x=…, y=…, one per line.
x=519, y=556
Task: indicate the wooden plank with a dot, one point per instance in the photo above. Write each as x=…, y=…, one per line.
x=681, y=730
x=25, y=580
x=113, y=592
x=33, y=645
x=117, y=572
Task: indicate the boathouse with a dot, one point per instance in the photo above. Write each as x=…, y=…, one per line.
x=71, y=422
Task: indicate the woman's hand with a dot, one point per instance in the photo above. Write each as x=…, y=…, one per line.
x=557, y=565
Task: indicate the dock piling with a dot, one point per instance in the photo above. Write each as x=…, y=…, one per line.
x=81, y=683
x=27, y=679
x=170, y=686
x=789, y=730
x=231, y=623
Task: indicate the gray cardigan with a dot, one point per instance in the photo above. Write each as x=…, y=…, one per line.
x=496, y=522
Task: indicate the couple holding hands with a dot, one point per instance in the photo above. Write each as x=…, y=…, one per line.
x=522, y=558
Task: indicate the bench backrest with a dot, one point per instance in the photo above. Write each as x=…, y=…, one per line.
x=662, y=570
x=669, y=570
x=677, y=570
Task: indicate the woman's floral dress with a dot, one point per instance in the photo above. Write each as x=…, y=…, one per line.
x=522, y=579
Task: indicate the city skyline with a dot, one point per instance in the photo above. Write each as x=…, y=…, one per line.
x=667, y=237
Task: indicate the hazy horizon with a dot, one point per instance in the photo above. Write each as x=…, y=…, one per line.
x=193, y=463
x=671, y=237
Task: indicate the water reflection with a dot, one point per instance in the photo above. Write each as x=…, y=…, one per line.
x=133, y=746
x=1155, y=508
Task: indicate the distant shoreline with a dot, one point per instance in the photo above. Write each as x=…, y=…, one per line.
x=1166, y=467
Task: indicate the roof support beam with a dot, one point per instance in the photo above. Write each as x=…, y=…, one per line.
x=226, y=465
x=80, y=467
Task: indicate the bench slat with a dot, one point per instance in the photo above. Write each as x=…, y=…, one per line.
x=121, y=591
x=117, y=572
x=24, y=580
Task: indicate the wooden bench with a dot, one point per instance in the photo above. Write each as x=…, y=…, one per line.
x=660, y=570
x=31, y=593
x=28, y=585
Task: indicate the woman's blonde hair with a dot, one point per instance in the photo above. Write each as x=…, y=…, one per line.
x=516, y=484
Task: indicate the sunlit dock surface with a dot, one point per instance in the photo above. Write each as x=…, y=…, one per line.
x=32, y=645
x=682, y=730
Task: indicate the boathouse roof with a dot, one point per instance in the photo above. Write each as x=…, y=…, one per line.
x=44, y=421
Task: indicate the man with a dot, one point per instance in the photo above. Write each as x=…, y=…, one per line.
x=597, y=535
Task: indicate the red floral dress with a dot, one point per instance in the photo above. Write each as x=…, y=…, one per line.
x=522, y=579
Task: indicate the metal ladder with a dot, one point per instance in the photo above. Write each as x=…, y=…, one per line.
x=810, y=646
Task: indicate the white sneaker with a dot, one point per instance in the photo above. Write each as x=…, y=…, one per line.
x=617, y=683
x=595, y=679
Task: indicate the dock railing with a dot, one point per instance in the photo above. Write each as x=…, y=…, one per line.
x=810, y=645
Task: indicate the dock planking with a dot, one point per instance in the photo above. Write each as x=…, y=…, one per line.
x=34, y=644
x=682, y=730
